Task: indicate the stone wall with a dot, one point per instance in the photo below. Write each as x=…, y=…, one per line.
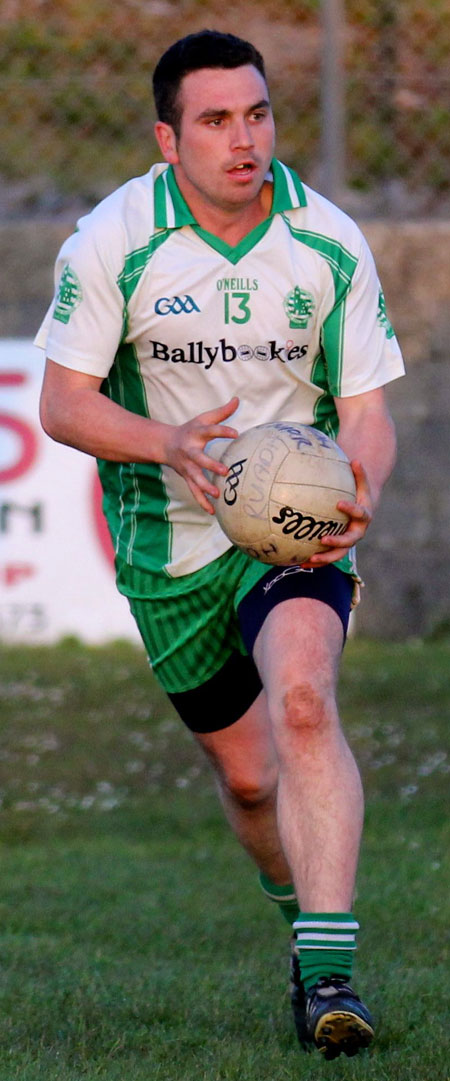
x=404, y=559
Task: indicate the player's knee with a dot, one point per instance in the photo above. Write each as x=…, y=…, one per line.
x=306, y=709
x=249, y=788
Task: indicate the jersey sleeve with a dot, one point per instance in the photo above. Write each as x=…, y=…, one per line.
x=84, y=324
x=359, y=344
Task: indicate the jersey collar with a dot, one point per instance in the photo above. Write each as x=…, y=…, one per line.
x=172, y=211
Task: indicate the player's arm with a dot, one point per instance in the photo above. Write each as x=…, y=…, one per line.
x=74, y=412
x=367, y=435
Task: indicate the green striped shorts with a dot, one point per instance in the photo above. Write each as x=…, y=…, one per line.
x=189, y=625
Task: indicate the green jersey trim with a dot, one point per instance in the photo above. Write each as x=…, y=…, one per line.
x=342, y=265
x=333, y=342
x=183, y=215
x=238, y=251
x=172, y=212
x=134, y=492
x=341, y=262
x=171, y=209
x=325, y=416
x=136, y=262
x=288, y=190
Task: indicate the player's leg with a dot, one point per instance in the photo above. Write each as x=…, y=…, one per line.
x=196, y=651
x=297, y=644
x=294, y=623
x=320, y=805
x=245, y=763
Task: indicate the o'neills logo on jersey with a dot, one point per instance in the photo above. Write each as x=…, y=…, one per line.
x=207, y=355
x=228, y=285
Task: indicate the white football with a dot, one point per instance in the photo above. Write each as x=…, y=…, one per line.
x=279, y=496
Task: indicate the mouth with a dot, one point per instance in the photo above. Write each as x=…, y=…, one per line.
x=244, y=169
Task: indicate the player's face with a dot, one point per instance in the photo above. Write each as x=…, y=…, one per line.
x=226, y=139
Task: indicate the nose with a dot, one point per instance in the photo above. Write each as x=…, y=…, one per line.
x=241, y=136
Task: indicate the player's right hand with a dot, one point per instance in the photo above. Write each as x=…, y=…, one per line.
x=185, y=451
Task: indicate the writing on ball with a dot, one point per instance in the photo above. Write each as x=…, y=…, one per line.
x=303, y=526
x=232, y=482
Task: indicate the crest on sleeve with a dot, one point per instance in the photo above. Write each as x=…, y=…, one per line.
x=69, y=295
x=382, y=317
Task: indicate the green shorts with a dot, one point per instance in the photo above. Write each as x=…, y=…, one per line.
x=189, y=625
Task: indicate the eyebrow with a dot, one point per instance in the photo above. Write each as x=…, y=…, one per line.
x=209, y=113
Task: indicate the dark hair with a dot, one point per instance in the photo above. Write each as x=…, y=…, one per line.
x=206, y=49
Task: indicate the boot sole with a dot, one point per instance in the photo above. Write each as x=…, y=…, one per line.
x=342, y=1032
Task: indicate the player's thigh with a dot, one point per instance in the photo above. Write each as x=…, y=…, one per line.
x=297, y=653
x=294, y=624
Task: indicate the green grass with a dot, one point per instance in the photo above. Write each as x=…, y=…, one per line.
x=134, y=940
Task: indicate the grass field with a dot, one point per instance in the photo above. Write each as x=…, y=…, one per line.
x=134, y=940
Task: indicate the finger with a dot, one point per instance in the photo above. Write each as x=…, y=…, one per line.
x=333, y=549
x=200, y=495
x=215, y=416
x=194, y=474
x=218, y=431
x=207, y=435
x=355, y=511
x=213, y=465
x=347, y=539
x=199, y=460
x=322, y=559
x=329, y=555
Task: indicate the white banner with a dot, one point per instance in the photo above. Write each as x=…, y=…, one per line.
x=56, y=564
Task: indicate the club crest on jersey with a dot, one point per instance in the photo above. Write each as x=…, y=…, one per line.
x=299, y=307
x=69, y=295
x=175, y=305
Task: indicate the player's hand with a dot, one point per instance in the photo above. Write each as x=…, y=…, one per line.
x=185, y=451
x=360, y=516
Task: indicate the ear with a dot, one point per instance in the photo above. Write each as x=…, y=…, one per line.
x=167, y=141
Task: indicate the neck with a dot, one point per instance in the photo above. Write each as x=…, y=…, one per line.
x=230, y=224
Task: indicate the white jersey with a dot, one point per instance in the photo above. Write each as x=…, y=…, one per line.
x=176, y=322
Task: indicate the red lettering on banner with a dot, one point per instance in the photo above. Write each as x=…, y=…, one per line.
x=28, y=443
x=13, y=379
x=13, y=573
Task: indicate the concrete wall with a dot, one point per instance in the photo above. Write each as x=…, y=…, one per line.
x=405, y=558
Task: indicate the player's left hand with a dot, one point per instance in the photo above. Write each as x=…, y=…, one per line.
x=360, y=516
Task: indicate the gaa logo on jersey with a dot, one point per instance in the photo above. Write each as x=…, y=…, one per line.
x=299, y=307
x=175, y=305
x=69, y=295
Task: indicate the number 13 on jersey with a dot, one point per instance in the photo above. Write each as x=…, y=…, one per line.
x=236, y=303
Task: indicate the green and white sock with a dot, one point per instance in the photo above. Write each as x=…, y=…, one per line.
x=284, y=897
x=326, y=942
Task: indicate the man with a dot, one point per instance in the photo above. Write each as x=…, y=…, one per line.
x=219, y=286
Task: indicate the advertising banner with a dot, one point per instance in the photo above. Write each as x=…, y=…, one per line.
x=56, y=559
